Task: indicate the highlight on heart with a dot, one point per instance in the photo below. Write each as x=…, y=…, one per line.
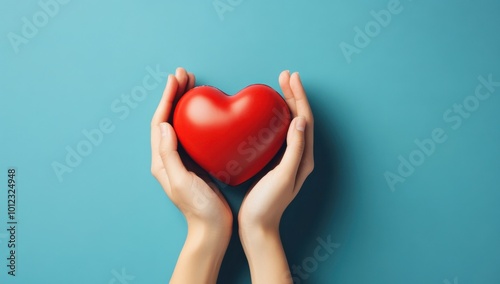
x=232, y=137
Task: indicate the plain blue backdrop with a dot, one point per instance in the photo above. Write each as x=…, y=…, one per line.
x=375, y=88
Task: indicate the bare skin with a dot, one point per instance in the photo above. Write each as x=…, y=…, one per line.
x=206, y=211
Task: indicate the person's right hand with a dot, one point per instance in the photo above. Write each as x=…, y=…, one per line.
x=207, y=213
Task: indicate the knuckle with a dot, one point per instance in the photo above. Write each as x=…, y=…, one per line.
x=177, y=183
x=163, y=154
x=154, y=171
x=309, y=166
x=153, y=123
x=174, y=184
x=310, y=118
x=300, y=146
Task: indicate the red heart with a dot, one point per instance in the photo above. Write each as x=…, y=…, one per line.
x=232, y=137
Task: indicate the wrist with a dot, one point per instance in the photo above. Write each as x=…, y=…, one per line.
x=201, y=256
x=258, y=228
x=208, y=237
x=265, y=255
x=257, y=234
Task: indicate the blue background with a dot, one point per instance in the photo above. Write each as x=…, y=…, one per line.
x=109, y=215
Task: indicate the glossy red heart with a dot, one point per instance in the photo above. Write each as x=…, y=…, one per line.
x=232, y=137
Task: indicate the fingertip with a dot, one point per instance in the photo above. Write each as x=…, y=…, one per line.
x=296, y=86
x=172, y=88
x=181, y=75
x=284, y=75
x=171, y=131
x=295, y=77
x=300, y=123
x=163, y=129
x=177, y=74
x=168, y=135
x=191, y=81
x=171, y=79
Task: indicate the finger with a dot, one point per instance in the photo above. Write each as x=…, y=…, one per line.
x=299, y=94
x=176, y=172
x=161, y=115
x=182, y=78
x=284, y=81
x=165, y=106
x=304, y=109
x=306, y=166
x=191, y=82
x=295, y=148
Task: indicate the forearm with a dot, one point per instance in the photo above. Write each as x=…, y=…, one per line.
x=266, y=257
x=201, y=256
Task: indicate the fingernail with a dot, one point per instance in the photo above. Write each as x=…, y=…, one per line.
x=300, y=123
x=163, y=129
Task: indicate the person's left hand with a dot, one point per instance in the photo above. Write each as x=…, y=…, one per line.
x=264, y=204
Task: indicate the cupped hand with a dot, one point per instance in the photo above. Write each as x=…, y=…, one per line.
x=265, y=203
x=198, y=199
x=207, y=213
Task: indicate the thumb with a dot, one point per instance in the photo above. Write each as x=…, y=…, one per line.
x=295, y=146
x=172, y=162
